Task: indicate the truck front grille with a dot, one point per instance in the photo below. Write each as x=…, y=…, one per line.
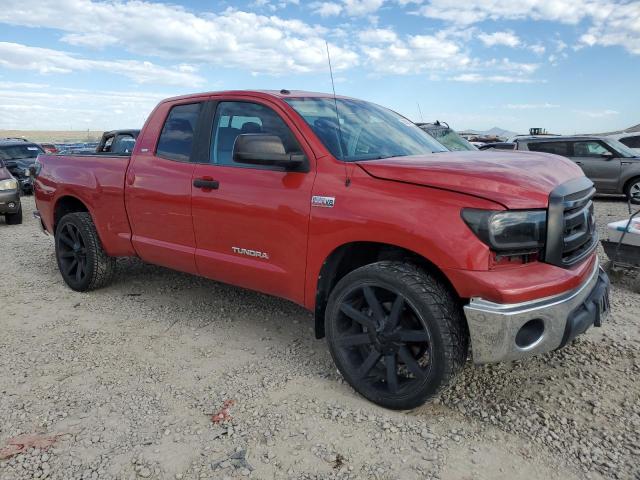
x=571, y=232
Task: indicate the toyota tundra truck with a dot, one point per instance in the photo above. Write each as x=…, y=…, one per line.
x=410, y=256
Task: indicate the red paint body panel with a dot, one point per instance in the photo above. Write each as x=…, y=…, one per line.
x=149, y=207
x=515, y=180
x=98, y=182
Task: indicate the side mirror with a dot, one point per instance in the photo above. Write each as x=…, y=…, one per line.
x=264, y=149
x=607, y=155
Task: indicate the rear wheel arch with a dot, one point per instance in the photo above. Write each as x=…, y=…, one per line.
x=348, y=257
x=67, y=204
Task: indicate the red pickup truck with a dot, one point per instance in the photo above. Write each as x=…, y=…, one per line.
x=408, y=254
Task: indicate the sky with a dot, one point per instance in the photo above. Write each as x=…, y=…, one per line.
x=570, y=66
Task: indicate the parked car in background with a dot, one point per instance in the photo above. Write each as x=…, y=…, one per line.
x=612, y=166
x=49, y=147
x=498, y=146
x=446, y=136
x=407, y=253
x=10, y=205
x=78, y=148
x=118, y=142
x=18, y=157
x=630, y=139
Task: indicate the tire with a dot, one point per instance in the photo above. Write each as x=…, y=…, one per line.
x=14, y=218
x=632, y=186
x=395, y=333
x=83, y=263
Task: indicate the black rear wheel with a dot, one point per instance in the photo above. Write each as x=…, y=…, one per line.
x=395, y=333
x=82, y=261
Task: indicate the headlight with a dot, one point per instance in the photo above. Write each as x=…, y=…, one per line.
x=10, y=184
x=508, y=231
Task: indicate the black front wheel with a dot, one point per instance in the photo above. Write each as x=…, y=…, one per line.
x=82, y=261
x=395, y=333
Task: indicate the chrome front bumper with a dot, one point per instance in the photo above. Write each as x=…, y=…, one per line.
x=493, y=327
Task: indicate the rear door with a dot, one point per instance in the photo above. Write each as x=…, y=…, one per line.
x=599, y=162
x=158, y=190
x=251, y=222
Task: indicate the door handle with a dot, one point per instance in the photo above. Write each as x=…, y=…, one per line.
x=578, y=163
x=206, y=183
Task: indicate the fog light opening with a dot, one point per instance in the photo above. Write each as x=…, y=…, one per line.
x=530, y=333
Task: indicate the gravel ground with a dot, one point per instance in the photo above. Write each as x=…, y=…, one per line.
x=129, y=376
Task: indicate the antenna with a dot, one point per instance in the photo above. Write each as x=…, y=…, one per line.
x=420, y=111
x=347, y=180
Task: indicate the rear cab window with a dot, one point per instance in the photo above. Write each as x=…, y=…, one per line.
x=176, y=139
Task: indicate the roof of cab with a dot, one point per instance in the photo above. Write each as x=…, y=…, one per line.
x=257, y=93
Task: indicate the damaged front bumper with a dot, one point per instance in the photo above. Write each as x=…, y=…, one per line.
x=503, y=332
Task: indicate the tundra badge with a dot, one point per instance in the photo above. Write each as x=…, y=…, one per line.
x=250, y=253
x=318, y=201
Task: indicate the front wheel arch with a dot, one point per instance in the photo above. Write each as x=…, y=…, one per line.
x=350, y=256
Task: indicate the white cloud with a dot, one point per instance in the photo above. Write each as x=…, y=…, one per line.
x=537, y=48
x=352, y=8
x=621, y=26
x=597, y=113
x=23, y=107
x=415, y=54
x=361, y=7
x=508, y=39
x=484, y=78
x=326, y=9
x=44, y=60
x=612, y=22
x=378, y=35
x=530, y=106
x=232, y=39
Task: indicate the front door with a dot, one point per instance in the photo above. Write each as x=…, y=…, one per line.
x=251, y=222
x=158, y=192
x=599, y=163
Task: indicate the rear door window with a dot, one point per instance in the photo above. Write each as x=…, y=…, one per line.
x=557, y=148
x=176, y=138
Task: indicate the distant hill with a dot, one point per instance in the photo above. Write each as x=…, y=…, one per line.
x=55, y=136
x=495, y=131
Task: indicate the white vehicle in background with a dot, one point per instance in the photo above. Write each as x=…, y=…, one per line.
x=630, y=139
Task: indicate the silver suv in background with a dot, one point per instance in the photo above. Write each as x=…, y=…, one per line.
x=612, y=166
x=630, y=139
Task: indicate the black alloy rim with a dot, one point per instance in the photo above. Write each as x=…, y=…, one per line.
x=72, y=252
x=383, y=340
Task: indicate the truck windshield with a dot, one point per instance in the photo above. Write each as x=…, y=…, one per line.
x=447, y=137
x=16, y=152
x=366, y=131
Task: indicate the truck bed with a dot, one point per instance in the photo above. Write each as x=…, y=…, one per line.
x=97, y=180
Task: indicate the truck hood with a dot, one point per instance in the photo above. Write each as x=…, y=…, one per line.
x=513, y=179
